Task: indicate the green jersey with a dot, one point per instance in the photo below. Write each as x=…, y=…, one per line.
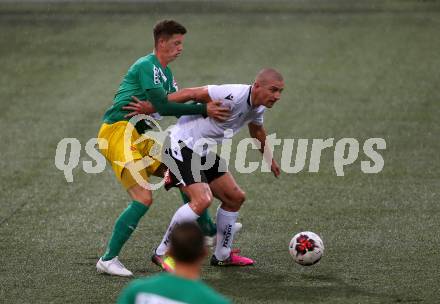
x=167, y=288
x=144, y=76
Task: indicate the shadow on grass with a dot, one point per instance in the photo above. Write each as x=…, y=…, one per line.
x=254, y=285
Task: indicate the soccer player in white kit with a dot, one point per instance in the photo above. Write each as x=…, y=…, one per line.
x=247, y=104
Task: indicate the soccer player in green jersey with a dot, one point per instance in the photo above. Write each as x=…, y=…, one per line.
x=148, y=78
x=183, y=286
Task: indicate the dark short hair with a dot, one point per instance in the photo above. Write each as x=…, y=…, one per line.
x=166, y=29
x=187, y=243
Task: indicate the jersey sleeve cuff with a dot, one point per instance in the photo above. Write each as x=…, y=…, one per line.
x=204, y=109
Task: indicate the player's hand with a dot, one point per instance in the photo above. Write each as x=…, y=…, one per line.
x=217, y=111
x=275, y=168
x=138, y=107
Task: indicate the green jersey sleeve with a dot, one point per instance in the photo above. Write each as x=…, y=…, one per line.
x=158, y=97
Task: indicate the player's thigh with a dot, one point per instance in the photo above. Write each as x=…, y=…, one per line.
x=160, y=171
x=122, y=153
x=200, y=196
x=226, y=189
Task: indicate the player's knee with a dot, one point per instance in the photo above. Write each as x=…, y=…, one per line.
x=147, y=201
x=240, y=197
x=203, y=201
x=142, y=196
x=235, y=200
x=206, y=199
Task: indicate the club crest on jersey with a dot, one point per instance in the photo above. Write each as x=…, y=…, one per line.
x=229, y=97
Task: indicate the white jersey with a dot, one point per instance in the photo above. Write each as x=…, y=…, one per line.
x=195, y=130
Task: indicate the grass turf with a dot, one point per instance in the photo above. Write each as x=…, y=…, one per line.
x=369, y=69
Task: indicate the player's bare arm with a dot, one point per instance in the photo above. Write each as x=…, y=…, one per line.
x=259, y=133
x=214, y=109
x=199, y=94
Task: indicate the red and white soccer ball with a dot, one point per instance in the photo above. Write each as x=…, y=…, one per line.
x=306, y=248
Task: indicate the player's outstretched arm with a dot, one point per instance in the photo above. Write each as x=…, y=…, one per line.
x=259, y=133
x=160, y=103
x=159, y=99
x=199, y=94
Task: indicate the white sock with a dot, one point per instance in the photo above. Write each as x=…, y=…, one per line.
x=183, y=214
x=225, y=233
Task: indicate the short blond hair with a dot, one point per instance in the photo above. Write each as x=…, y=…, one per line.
x=268, y=74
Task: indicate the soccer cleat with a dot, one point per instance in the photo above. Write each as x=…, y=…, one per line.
x=113, y=267
x=237, y=227
x=165, y=262
x=233, y=260
x=211, y=241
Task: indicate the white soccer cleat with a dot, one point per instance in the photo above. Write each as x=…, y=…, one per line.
x=211, y=241
x=237, y=227
x=113, y=267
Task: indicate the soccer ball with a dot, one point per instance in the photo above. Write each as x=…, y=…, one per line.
x=306, y=248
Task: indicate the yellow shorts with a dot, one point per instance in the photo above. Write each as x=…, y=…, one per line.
x=121, y=150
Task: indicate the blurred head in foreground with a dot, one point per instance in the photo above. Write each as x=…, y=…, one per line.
x=187, y=247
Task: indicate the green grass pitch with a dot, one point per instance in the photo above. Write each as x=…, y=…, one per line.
x=352, y=69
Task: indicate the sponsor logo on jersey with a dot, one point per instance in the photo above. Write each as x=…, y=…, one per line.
x=229, y=97
x=158, y=75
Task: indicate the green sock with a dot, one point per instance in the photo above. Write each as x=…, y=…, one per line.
x=124, y=227
x=205, y=222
